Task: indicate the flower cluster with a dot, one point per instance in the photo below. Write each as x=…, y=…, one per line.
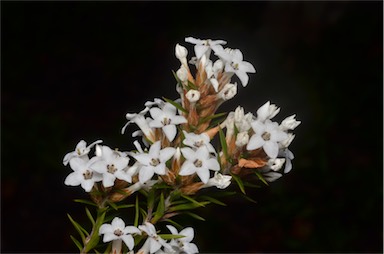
x=176, y=157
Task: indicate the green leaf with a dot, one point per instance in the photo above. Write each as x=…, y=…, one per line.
x=191, y=86
x=94, y=240
x=89, y=216
x=177, y=78
x=193, y=215
x=249, y=199
x=211, y=117
x=261, y=178
x=223, y=143
x=239, y=182
x=79, y=228
x=78, y=244
x=177, y=105
x=192, y=200
x=136, y=221
x=186, y=206
x=84, y=201
x=251, y=185
x=160, y=209
x=108, y=249
x=113, y=205
x=125, y=206
x=170, y=236
x=213, y=200
x=174, y=223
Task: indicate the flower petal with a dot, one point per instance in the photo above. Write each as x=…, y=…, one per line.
x=145, y=174
x=271, y=149
x=160, y=169
x=109, y=237
x=166, y=153
x=128, y=240
x=170, y=132
x=203, y=173
x=187, y=168
x=255, y=142
x=73, y=179
x=118, y=223
x=188, y=233
x=154, y=245
x=212, y=164
x=108, y=180
x=105, y=228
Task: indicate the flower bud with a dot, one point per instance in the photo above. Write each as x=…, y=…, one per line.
x=193, y=95
x=219, y=180
x=181, y=52
x=242, y=139
x=285, y=143
x=182, y=73
x=276, y=164
x=267, y=111
x=228, y=91
x=289, y=123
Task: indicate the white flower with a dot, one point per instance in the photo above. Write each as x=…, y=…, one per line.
x=112, y=165
x=220, y=181
x=267, y=135
x=80, y=150
x=153, y=242
x=145, y=186
x=181, y=53
x=204, y=46
x=140, y=120
x=288, y=155
x=271, y=176
x=153, y=161
x=117, y=231
x=82, y=173
x=228, y=91
x=183, y=245
x=267, y=111
x=242, y=139
x=275, y=164
x=285, y=143
x=289, y=123
x=182, y=74
x=156, y=102
x=234, y=64
x=166, y=119
x=197, y=140
x=199, y=162
x=193, y=95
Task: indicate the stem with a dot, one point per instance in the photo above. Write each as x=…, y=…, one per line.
x=95, y=229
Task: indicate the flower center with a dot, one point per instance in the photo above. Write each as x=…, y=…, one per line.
x=87, y=174
x=198, y=163
x=266, y=136
x=118, y=232
x=111, y=168
x=166, y=121
x=154, y=162
x=235, y=66
x=198, y=143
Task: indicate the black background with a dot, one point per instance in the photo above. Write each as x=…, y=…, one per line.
x=72, y=70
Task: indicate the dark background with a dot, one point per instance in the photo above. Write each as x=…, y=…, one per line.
x=72, y=70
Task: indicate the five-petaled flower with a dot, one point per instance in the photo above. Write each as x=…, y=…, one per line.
x=81, y=150
x=199, y=162
x=204, y=46
x=117, y=231
x=267, y=135
x=234, y=64
x=166, y=119
x=113, y=164
x=153, y=242
x=82, y=173
x=183, y=245
x=153, y=161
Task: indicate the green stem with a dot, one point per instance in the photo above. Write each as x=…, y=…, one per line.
x=93, y=238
